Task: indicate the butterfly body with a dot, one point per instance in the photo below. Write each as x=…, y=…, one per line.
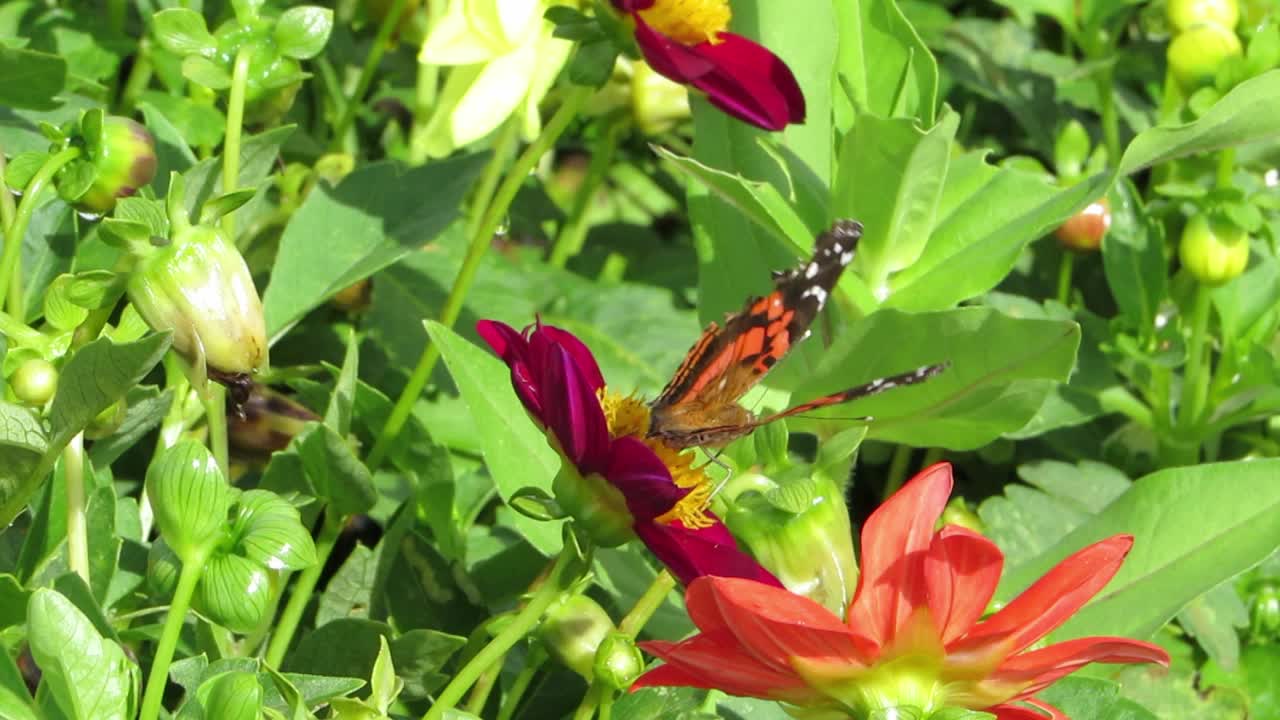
x=699, y=406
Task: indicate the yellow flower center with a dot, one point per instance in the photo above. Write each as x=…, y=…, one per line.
x=626, y=416
x=688, y=21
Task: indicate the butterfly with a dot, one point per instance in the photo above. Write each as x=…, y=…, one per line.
x=699, y=406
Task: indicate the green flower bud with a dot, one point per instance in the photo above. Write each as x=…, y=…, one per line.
x=190, y=498
x=1264, y=613
x=199, y=287
x=163, y=567
x=598, y=507
x=1213, y=250
x=1185, y=14
x=572, y=632
x=1195, y=55
x=234, y=592
x=231, y=696
x=35, y=381
x=800, y=532
x=618, y=661
x=126, y=161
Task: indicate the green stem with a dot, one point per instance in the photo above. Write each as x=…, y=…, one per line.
x=424, y=104
x=511, y=701
x=235, y=123
x=569, y=241
x=1193, y=381
x=192, y=569
x=77, y=528
x=1065, y=270
x=520, y=625
x=302, y=590
x=1226, y=168
x=1118, y=399
x=139, y=78
x=897, y=470
x=215, y=413
x=11, y=261
x=587, y=708
x=117, y=10
x=647, y=604
x=606, y=705
x=483, y=687
x=1103, y=81
x=503, y=145
x=370, y=66
x=480, y=241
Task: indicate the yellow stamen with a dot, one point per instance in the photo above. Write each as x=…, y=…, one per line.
x=627, y=415
x=688, y=21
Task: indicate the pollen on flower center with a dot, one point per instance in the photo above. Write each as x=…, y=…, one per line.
x=688, y=21
x=627, y=415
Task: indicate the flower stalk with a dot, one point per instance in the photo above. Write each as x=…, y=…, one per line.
x=11, y=260
x=287, y=625
x=235, y=126
x=192, y=570
x=371, y=63
x=77, y=527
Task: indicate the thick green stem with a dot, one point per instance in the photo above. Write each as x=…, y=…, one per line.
x=1226, y=168
x=77, y=528
x=587, y=708
x=1194, y=379
x=482, y=689
x=215, y=413
x=192, y=569
x=1065, y=270
x=235, y=123
x=647, y=604
x=520, y=625
x=569, y=241
x=302, y=590
x=139, y=78
x=1118, y=399
x=480, y=240
x=1103, y=81
x=11, y=260
x=424, y=104
x=8, y=209
x=371, y=62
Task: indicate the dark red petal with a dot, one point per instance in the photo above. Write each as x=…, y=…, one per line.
x=715, y=661
x=581, y=355
x=895, y=540
x=667, y=57
x=630, y=6
x=572, y=412
x=1017, y=712
x=513, y=348
x=693, y=553
x=750, y=83
x=1053, y=598
x=962, y=570
x=643, y=479
x=775, y=625
x=1046, y=666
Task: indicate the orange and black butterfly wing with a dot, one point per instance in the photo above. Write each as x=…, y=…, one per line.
x=727, y=361
x=875, y=387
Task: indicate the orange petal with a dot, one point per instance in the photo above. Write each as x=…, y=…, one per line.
x=894, y=542
x=962, y=570
x=774, y=625
x=1053, y=598
x=715, y=660
x=1041, y=668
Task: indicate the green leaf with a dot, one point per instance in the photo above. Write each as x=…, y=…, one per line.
x=1001, y=368
x=515, y=451
x=346, y=647
x=1133, y=257
x=173, y=154
x=384, y=686
x=272, y=532
x=94, y=378
x=334, y=472
x=88, y=676
x=371, y=219
x=1213, y=620
x=1169, y=565
x=104, y=544
x=885, y=63
x=420, y=658
x=190, y=497
x=31, y=79
x=15, y=699
x=1090, y=698
x=75, y=179
x=24, y=166
x=302, y=31
x=223, y=204
x=13, y=603
x=59, y=311
x=971, y=249
x=205, y=73
x=337, y=416
x=349, y=590
x=21, y=429
x=183, y=32
x=1257, y=676
x=1249, y=113
x=592, y=63
x=146, y=408
x=890, y=177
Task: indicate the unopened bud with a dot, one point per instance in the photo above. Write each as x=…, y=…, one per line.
x=126, y=161
x=618, y=661
x=573, y=631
